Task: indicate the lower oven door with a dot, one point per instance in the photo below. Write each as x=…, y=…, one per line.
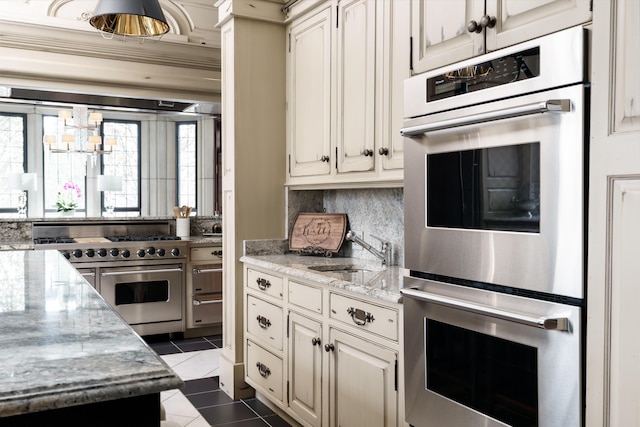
x=207, y=309
x=144, y=294
x=480, y=358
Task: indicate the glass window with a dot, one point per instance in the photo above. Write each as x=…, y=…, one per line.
x=13, y=137
x=124, y=161
x=64, y=173
x=186, y=158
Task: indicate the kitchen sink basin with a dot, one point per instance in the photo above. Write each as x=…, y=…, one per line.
x=342, y=268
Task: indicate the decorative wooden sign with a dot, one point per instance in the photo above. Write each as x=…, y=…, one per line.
x=318, y=233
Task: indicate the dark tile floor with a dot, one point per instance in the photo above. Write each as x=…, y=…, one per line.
x=205, y=394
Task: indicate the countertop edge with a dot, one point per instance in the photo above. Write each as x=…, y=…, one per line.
x=268, y=262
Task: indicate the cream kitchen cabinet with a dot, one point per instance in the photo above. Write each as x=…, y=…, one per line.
x=346, y=63
x=448, y=31
x=338, y=362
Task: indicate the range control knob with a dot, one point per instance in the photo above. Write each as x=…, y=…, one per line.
x=114, y=252
x=90, y=253
x=175, y=251
x=126, y=253
x=151, y=250
x=161, y=252
x=102, y=253
x=77, y=253
x=141, y=253
x=66, y=254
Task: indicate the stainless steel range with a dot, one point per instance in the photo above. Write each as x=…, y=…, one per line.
x=137, y=266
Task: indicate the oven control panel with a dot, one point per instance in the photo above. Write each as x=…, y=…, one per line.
x=121, y=253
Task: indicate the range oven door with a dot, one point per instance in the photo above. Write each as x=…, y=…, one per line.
x=480, y=358
x=495, y=193
x=144, y=294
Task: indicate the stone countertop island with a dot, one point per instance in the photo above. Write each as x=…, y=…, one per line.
x=66, y=358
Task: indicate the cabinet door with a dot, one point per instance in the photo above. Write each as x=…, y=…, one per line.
x=439, y=32
x=309, y=95
x=395, y=69
x=305, y=368
x=356, y=53
x=362, y=378
x=518, y=21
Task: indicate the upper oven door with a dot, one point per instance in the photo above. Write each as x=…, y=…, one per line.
x=494, y=193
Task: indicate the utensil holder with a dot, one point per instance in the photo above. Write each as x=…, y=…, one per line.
x=183, y=227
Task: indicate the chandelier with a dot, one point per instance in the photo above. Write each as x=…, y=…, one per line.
x=139, y=19
x=81, y=134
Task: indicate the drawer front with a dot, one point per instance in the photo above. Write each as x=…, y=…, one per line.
x=266, y=283
x=213, y=253
x=264, y=321
x=265, y=369
x=305, y=296
x=206, y=278
x=206, y=309
x=379, y=320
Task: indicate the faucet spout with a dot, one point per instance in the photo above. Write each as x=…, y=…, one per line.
x=383, y=255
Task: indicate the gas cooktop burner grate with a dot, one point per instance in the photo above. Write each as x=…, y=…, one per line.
x=142, y=237
x=52, y=240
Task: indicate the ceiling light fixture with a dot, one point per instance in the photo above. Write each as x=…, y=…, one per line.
x=77, y=138
x=140, y=19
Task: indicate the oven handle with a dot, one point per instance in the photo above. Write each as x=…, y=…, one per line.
x=124, y=273
x=197, y=302
x=552, y=105
x=549, y=323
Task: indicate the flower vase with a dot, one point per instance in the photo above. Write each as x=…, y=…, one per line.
x=69, y=213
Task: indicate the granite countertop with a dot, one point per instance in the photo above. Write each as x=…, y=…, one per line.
x=375, y=281
x=62, y=345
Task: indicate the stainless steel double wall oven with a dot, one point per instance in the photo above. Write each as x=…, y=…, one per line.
x=495, y=196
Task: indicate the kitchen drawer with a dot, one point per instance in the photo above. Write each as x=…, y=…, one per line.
x=209, y=253
x=379, y=320
x=305, y=296
x=266, y=283
x=266, y=370
x=207, y=309
x=264, y=321
x=206, y=278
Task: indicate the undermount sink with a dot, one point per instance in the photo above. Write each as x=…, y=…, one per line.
x=342, y=268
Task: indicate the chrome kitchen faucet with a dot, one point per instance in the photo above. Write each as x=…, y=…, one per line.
x=384, y=254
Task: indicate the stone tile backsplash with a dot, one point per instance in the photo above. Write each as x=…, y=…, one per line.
x=371, y=212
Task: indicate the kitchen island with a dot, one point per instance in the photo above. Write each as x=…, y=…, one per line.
x=66, y=357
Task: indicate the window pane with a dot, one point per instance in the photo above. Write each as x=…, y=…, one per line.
x=124, y=161
x=12, y=160
x=186, y=148
x=62, y=170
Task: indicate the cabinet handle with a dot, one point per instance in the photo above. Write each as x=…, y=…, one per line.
x=329, y=347
x=360, y=317
x=324, y=159
x=263, y=322
x=263, y=370
x=488, y=21
x=367, y=152
x=485, y=22
x=383, y=151
x=316, y=341
x=206, y=270
x=263, y=284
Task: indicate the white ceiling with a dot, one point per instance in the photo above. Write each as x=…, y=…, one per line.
x=49, y=44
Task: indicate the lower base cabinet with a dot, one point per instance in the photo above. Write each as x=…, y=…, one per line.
x=332, y=368
x=362, y=381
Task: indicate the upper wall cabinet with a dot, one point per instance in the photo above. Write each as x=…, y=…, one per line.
x=444, y=32
x=346, y=63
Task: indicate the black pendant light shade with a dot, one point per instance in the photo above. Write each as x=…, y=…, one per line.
x=130, y=18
